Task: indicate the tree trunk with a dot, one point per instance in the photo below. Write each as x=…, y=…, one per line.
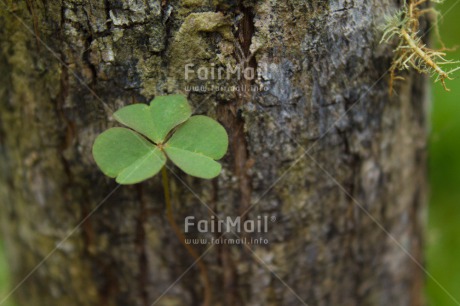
x=317, y=145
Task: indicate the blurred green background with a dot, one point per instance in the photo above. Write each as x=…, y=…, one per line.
x=443, y=244
x=443, y=237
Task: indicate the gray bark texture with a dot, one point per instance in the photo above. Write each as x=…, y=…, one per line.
x=324, y=150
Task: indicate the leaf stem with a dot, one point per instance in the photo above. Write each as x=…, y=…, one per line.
x=181, y=237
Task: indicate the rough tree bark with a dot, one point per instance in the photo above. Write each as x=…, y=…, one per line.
x=65, y=66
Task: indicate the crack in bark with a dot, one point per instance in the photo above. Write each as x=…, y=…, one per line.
x=234, y=121
x=31, y=8
x=240, y=146
x=354, y=162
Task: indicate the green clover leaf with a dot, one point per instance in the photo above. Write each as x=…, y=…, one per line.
x=164, y=129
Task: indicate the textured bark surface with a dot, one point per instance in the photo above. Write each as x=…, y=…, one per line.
x=65, y=66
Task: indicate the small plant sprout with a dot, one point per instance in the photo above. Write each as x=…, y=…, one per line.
x=411, y=52
x=163, y=130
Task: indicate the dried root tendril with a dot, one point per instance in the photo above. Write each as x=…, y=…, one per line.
x=411, y=52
